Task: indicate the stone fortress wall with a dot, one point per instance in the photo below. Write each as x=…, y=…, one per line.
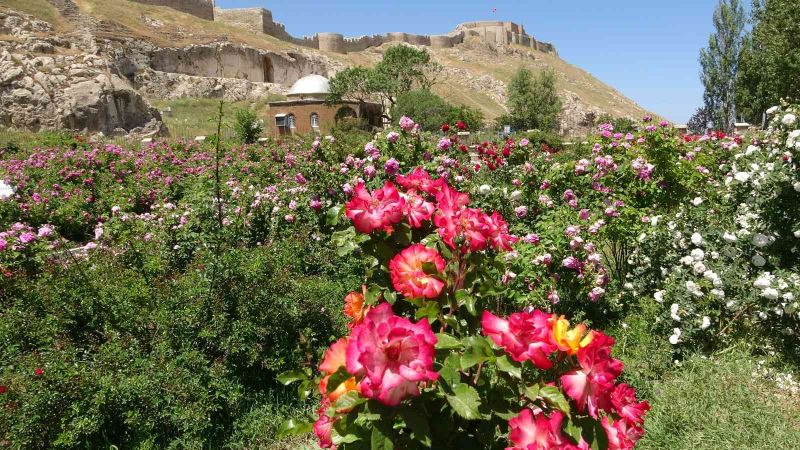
x=259, y=20
x=203, y=9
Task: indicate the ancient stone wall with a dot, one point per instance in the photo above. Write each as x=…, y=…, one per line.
x=203, y=9
x=235, y=61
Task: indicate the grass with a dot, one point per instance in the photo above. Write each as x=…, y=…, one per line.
x=41, y=9
x=192, y=117
x=716, y=403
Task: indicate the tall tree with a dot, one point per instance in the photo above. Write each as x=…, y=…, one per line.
x=533, y=100
x=719, y=63
x=770, y=62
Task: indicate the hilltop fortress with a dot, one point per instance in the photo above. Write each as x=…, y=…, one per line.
x=260, y=20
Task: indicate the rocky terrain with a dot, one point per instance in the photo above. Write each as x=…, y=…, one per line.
x=93, y=65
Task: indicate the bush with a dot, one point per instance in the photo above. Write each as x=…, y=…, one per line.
x=433, y=111
x=248, y=126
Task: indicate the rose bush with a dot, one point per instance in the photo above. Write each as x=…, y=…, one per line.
x=428, y=365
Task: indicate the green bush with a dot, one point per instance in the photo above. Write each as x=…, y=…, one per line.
x=248, y=126
x=432, y=111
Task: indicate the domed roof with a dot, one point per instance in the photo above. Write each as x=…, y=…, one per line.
x=310, y=86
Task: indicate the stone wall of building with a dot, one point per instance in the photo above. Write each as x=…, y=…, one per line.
x=203, y=9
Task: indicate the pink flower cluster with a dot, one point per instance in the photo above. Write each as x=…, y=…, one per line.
x=590, y=381
x=461, y=227
x=388, y=357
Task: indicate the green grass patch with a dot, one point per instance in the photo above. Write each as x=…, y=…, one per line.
x=190, y=117
x=717, y=403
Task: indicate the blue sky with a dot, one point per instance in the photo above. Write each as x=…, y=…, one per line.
x=646, y=49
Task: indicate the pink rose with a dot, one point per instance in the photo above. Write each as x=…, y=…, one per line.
x=392, y=354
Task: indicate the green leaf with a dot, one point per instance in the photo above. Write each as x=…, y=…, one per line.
x=450, y=374
x=418, y=424
x=373, y=294
x=292, y=376
x=504, y=364
x=337, y=378
x=555, y=397
x=447, y=342
x=333, y=214
x=465, y=401
x=468, y=301
x=402, y=234
x=348, y=401
x=478, y=350
x=429, y=268
x=532, y=392
x=380, y=440
x=292, y=427
x=429, y=310
x=390, y=296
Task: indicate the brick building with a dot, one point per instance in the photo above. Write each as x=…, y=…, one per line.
x=305, y=110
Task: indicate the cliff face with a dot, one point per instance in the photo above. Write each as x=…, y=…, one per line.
x=165, y=53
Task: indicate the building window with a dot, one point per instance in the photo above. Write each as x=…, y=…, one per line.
x=314, y=120
x=290, y=122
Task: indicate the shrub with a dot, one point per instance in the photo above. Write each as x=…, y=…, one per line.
x=248, y=126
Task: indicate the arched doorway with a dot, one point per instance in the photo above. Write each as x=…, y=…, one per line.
x=269, y=73
x=345, y=112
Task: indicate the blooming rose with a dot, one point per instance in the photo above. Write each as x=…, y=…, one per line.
x=416, y=208
x=354, y=307
x=537, y=432
x=392, y=354
x=524, y=336
x=409, y=277
x=497, y=232
x=621, y=434
x=624, y=400
x=379, y=210
x=570, y=341
x=590, y=385
x=418, y=179
x=335, y=358
x=323, y=428
x=406, y=123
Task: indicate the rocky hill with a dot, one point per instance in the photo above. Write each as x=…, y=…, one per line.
x=93, y=64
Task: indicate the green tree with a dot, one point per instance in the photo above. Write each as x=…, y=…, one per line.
x=770, y=61
x=431, y=111
x=719, y=63
x=402, y=69
x=533, y=101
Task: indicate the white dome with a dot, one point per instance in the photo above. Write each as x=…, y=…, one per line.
x=310, y=86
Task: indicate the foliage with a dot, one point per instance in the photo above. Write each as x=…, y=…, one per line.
x=533, y=100
x=720, y=63
x=434, y=111
x=770, y=60
x=248, y=126
x=403, y=68
x=700, y=121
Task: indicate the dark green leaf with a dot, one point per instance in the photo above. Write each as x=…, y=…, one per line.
x=512, y=368
x=381, y=440
x=293, y=427
x=478, y=351
x=292, y=376
x=555, y=397
x=465, y=401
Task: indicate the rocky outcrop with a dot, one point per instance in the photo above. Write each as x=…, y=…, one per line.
x=47, y=90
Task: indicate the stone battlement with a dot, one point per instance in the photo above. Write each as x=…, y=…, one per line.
x=259, y=20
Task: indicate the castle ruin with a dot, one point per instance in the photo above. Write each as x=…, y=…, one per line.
x=259, y=20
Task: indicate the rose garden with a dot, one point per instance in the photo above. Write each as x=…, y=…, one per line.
x=405, y=289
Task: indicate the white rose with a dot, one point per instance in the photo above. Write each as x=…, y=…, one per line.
x=770, y=293
x=719, y=293
x=6, y=191
x=758, y=261
x=698, y=254
x=673, y=312
x=676, y=336
x=764, y=281
x=485, y=189
x=699, y=268
x=729, y=237
x=659, y=296
x=772, y=109
x=697, y=201
x=516, y=195
x=741, y=177
x=697, y=239
x=796, y=186
x=706, y=323
x=789, y=119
